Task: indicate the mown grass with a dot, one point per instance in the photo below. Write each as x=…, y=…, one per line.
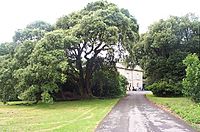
x=182, y=106
x=68, y=116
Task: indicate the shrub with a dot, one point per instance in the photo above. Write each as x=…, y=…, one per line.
x=165, y=89
x=191, y=82
x=123, y=84
x=68, y=90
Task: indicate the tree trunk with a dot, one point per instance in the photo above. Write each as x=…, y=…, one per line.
x=62, y=94
x=81, y=76
x=88, y=78
x=88, y=87
x=38, y=98
x=85, y=78
x=4, y=102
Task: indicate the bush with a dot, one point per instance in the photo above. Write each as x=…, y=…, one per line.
x=108, y=83
x=123, y=84
x=191, y=82
x=165, y=89
x=68, y=90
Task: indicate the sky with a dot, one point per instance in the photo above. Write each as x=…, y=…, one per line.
x=16, y=14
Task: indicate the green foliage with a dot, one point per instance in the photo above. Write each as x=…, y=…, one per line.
x=22, y=53
x=46, y=98
x=123, y=82
x=164, y=88
x=162, y=49
x=108, y=83
x=7, y=66
x=46, y=67
x=7, y=91
x=191, y=82
x=33, y=32
x=39, y=62
x=41, y=25
x=100, y=27
x=6, y=48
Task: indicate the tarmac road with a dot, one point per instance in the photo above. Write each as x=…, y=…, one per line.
x=134, y=113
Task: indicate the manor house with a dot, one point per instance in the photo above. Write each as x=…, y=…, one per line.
x=134, y=76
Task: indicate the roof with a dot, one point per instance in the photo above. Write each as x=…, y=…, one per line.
x=119, y=65
x=136, y=68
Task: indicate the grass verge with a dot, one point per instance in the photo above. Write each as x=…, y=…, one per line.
x=182, y=106
x=65, y=116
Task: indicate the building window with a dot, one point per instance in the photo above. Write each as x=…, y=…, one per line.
x=138, y=76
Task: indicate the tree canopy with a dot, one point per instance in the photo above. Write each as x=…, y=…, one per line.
x=101, y=29
x=6, y=48
x=161, y=50
x=33, y=32
x=46, y=66
x=49, y=59
x=77, y=55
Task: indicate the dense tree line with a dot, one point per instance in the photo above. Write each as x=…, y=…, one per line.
x=162, y=49
x=75, y=57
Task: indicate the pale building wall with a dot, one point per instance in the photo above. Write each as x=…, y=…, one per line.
x=134, y=77
x=138, y=79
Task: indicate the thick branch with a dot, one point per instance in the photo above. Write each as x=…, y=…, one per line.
x=99, y=45
x=89, y=52
x=82, y=48
x=71, y=66
x=97, y=51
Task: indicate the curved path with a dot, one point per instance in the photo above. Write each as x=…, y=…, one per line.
x=134, y=113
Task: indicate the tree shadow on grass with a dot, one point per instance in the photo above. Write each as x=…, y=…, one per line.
x=75, y=104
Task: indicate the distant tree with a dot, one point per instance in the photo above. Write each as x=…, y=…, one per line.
x=41, y=25
x=33, y=32
x=100, y=29
x=6, y=48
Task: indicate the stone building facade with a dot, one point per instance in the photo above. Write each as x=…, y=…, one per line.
x=134, y=76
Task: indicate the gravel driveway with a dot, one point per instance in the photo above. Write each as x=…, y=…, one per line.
x=134, y=113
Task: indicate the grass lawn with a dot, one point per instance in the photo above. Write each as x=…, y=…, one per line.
x=68, y=116
x=184, y=107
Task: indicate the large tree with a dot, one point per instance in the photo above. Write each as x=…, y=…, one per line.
x=45, y=68
x=101, y=29
x=15, y=56
x=80, y=42
x=163, y=47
